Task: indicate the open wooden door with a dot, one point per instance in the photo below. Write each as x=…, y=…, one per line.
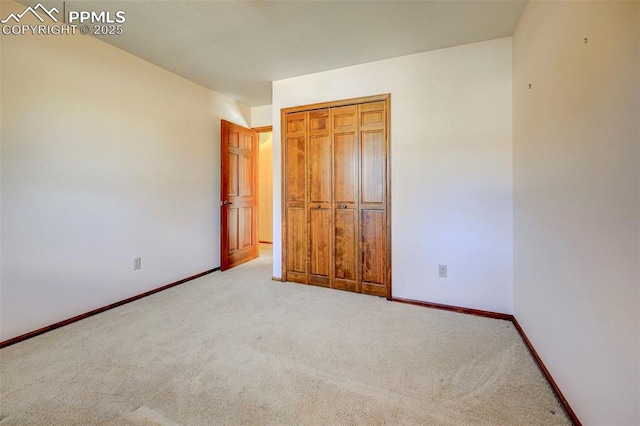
x=239, y=195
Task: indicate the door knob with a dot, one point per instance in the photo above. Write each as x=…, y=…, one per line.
x=225, y=202
x=344, y=206
x=319, y=206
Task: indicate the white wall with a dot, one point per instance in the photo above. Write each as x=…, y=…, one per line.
x=265, y=189
x=451, y=157
x=261, y=116
x=105, y=157
x=576, y=202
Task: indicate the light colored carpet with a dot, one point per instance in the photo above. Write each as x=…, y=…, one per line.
x=237, y=348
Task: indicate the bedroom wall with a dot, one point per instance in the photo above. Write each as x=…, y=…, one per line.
x=104, y=158
x=451, y=167
x=577, y=200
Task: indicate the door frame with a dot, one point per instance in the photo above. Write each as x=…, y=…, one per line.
x=386, y=98
x=261, y=129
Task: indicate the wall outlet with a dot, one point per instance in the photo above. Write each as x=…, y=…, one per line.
x=442, y=271
x=137, y=263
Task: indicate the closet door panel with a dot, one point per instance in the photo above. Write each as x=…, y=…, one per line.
x=296, y=170
x=336, y=196
x=345, y=169
x=372, y=115
x=373, y=167
x=320, y=250
x=373, y=252
x=296, y=231
x=319, y=121
x=346, y=250
x=345, y=178
x=319, y=203
x=320, y=169
x=296, y=123
x=373, y=198
x=297, y=245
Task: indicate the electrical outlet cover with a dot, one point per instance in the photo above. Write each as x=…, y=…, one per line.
x=442, y=271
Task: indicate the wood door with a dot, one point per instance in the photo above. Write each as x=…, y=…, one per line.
x=344, y=122
x=336, y=227
x=373, y=198
x=319, y=204
x=294, y=166
x=239, y=195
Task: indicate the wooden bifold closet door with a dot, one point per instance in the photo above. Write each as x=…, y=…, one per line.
x=336, y=224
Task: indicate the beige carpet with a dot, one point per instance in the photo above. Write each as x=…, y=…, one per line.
x=237, y=348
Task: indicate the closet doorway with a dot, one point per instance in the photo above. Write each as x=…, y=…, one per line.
x=336, y=222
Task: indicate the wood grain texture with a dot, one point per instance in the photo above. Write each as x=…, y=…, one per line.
x=295, y=172
x=320, y=242
x=233, y=235
x=373, y=167
x=346, y=245
x=263, y=129
x=346, y=154
x=373, y=247
x=247, y=214
x=77, y=318
x=296, y=124
x=319, y=121
x=319, y=169
x=345, y=261
x=374, y=199
x=239, y=194
x=345, y=168
x=319, y=174
x=344, y=146
x=374, y=151
x=233, y=189
x=295, y=241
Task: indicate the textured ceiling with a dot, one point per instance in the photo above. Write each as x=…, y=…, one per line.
x=238, y=47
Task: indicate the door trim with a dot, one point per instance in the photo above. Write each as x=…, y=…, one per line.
x=332, y=104
x=386, y=98
x=263, y=129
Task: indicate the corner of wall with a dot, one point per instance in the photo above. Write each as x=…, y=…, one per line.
x=577, y=200
x=130, y=171
x=261, y=116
